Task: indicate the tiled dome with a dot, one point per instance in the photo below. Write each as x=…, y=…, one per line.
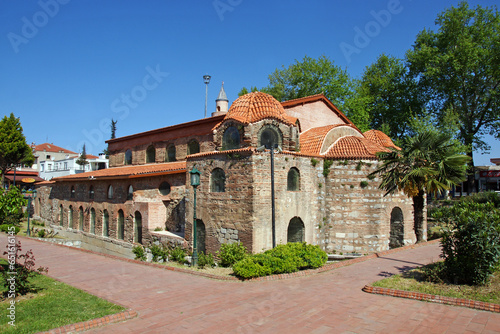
x=351, y=147
x=256, y=106
x=380, y=138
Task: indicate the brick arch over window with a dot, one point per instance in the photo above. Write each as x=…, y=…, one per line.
x=293, y=180
x=270, y=136
x=193, y=147
x=171, y=153
x=70, y=217
x=138, y=227
x=80, y=218
x=105, y=223
x=128, y=157
x=218, y=181
x=150, y=154
x=231, y=138
x=92, y=221
x=120, y=228
x=296, y=230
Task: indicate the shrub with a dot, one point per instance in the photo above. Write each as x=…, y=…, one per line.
x=178, y=254
x=41, y=233
x=10, y=228
x=11, y=206
x=470, y=245
x=363, y=184
x=281, y=259
x=139, y=252
x=205, y=260
x=159, y=252
x=229, y=254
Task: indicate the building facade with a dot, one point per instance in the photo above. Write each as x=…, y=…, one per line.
x=320, y=165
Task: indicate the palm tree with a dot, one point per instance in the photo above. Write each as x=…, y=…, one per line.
x=427, y=163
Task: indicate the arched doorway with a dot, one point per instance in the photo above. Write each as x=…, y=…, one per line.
x=105, y=224
x=296, y=230
x=138, y=227
x=397, y=228
x=200, y=236
x=121, y=223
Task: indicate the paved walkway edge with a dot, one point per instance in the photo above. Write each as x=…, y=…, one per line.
x=484, y=306
x=94, y=323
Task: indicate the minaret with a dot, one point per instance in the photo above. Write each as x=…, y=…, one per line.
x=222, y=103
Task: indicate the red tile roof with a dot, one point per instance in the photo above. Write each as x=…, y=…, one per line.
x=311, y=141
x=256, y=106
x=352, y=147
x=51, y=148
x=239, y=150
x=380, y=138
x=125, y=172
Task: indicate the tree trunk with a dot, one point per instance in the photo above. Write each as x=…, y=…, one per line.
x=418, y=215
x=471, y=173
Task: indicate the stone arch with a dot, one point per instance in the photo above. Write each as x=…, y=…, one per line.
x=270, y=136
x=396, y=228
x=193, y=147
x=120, y=229
x=105, y=223
x=138, y=227
x=150, y=154
x=201, y=235
x=293, y=179
x=296, y=230
x=231, y=138
x=171, y=153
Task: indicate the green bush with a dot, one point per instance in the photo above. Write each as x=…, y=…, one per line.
x=229, y=254
x=281, y=259
x=8, y=227
x=11, y=206
x=205, y=260
x=178, y=254
x=159, y=252
x=470, y=244
x=139, y=252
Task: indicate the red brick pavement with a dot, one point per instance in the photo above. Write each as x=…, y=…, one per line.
x=329, y=302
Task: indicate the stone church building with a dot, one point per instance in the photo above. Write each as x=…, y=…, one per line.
x=322, y=191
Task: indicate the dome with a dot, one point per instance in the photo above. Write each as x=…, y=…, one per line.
x=256, y=106
x=380, y=138
x=352, y=147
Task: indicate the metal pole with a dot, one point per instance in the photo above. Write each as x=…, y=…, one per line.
x=28, y=233
x=195, y=246
x=273, y=217
x=206, y=96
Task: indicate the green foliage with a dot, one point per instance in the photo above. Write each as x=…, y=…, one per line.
x=244, y=90
x=205, y=260
x=314, y=162
x=470, y=244
x=139, y=252
x=82, y=159
x=24, y=267
x=326, y=167
x=229, y=254
x=158, y=252
x=286, y=258
x=178, y=254
x=363, y=184
x=13, y=147
x=11, y=203
x=9, y=228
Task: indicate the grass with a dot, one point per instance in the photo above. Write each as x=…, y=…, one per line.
x=54, y=304
x=414, y=281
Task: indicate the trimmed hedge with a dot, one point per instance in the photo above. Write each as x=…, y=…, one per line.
x=287, y=258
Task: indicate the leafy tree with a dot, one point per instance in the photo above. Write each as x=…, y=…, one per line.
x=244, y=90
x=391, y=95
x=11, y=206
x=459, y=67
x=320, y=76
x=427, y=163
x=13, y=147
x=82, y=159
x=113, y=128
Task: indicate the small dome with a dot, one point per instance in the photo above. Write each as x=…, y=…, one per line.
x=380, y=138
x=256, y=106
x=352, y=147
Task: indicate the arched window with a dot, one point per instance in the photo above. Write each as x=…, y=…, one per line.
x=397, y=232
x=138, y=227
x=231, y=139
x=170, y=154
x=293, y=180
x=80, y=219
x=193, y=147
x=91, y=192
x=70, y=217
x=164, y=188
x=130, y=192
x=92, y=221
x=61, y=215
x=128, y=157
x=121, y=225
x=295, y=231
x=269, y=136
x=218, y=181
x=105, y=223
x=72, y=192
x=150, y=154
x=110, y=192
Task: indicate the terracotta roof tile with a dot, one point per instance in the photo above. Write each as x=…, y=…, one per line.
x=51, y=148
x=352, y=147
x=312, y=139
x=256, y=106
x=129, y=171
x=239, y=150
x=380, y=138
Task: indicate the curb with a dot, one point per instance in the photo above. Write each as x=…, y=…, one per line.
x=484, y=306
x=94, y=323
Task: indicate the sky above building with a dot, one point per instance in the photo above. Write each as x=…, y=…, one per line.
x=69, y=67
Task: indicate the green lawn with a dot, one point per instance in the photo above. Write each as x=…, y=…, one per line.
x=55, y=304
x=413, y=281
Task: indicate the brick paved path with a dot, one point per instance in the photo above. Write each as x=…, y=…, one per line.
x=330, y=302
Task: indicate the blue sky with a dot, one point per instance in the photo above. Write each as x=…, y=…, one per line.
x=69, y=66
